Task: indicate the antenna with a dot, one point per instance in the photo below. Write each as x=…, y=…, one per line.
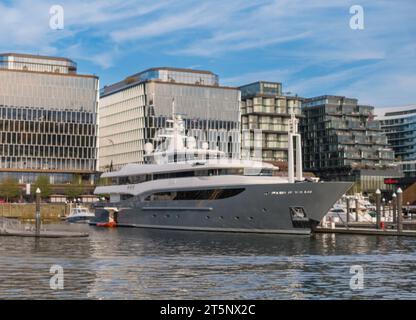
x=173, y=107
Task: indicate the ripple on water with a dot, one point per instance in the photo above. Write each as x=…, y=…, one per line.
x=143, y=264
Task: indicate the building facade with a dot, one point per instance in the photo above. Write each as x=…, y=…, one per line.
x=132, y=111
x=48, y=119
x=265, y=114
x=341, y=141
x=399, y=124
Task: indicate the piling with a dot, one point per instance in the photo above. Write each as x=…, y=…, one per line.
x=356, y=209
x=348, y=210
x=394, y=202
x=37, y=215
x=378, y=208
x=399, y=210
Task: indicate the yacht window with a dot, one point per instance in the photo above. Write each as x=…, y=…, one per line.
x=181, y=174
x=124, y=180
x=126, y=196
x=212, y=194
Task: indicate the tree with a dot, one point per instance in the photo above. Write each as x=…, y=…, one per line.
x=42, y=182
x=9, y=188
x=75, y=188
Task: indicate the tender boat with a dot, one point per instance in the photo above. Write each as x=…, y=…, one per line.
x=79, y=215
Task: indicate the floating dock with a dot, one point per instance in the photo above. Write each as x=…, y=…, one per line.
x=43, y=234
x=367, y=231
x=14, y=228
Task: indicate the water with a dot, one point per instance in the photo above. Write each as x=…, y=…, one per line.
x=154, y=264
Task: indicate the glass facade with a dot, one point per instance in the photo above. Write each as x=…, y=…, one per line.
x=132, y=114
x=400, y=128
x=25, y=62
x=340, y=135
x=48, y=120
x=265, y=115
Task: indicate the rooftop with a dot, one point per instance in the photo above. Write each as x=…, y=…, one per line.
x=167, y=75
x=395, y=112
x=24, y=55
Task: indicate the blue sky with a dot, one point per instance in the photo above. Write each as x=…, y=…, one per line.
x=307, y=45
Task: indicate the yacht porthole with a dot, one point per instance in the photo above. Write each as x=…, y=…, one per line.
x=264, y=210
x=237, y=218
x=221, y=217
x=167, y=216
x=251, y=218
x=154, y=216
x=207, y=217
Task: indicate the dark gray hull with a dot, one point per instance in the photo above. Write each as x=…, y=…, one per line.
x=266, y=208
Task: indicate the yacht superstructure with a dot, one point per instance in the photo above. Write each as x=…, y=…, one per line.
x=187, y=188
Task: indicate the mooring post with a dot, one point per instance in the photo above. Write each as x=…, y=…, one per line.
x=394, y=200
x=347, y=198
x=399, y=210
x=356, y=208
x=37, y=215
x=378, y=208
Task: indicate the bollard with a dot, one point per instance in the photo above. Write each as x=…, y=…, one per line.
x=378, y=208
x=394, y=201
x=399, y=210
x=37, y=215
x=356, y=209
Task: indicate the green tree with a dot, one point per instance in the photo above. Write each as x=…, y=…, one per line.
x=9, y=188
x=74, y=189
x=42, y=182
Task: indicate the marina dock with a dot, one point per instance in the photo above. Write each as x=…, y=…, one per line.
x=367, y=231
x=397, y=227
x=42, y=234
x=14, y=228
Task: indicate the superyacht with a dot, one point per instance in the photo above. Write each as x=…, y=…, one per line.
x=183, y=187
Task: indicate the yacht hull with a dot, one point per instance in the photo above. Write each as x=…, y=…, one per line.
x=284, y=208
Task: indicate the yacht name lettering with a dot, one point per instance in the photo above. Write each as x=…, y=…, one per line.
x=288, y=192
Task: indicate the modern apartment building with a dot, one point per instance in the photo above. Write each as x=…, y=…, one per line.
x=342, y=141
x=134, y=109
x=399, y=124
x=48, y=119
x=265, y=114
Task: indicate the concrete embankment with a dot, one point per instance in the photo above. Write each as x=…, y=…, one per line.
x=26, y=211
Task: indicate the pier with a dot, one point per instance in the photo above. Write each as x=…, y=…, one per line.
x=14, y=228
x=379, y=228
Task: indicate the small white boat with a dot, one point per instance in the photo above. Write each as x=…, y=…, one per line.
x=79, y=215
x=338, y=213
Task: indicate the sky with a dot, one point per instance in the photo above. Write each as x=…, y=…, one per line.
x=308, y=45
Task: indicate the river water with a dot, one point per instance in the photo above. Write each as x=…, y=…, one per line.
x=153, y=264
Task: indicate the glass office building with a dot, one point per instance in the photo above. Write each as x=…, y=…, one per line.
x=133, y=110
x=48, y=119
x=265, y=114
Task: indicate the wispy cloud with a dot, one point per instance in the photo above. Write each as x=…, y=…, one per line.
x=307, y=45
